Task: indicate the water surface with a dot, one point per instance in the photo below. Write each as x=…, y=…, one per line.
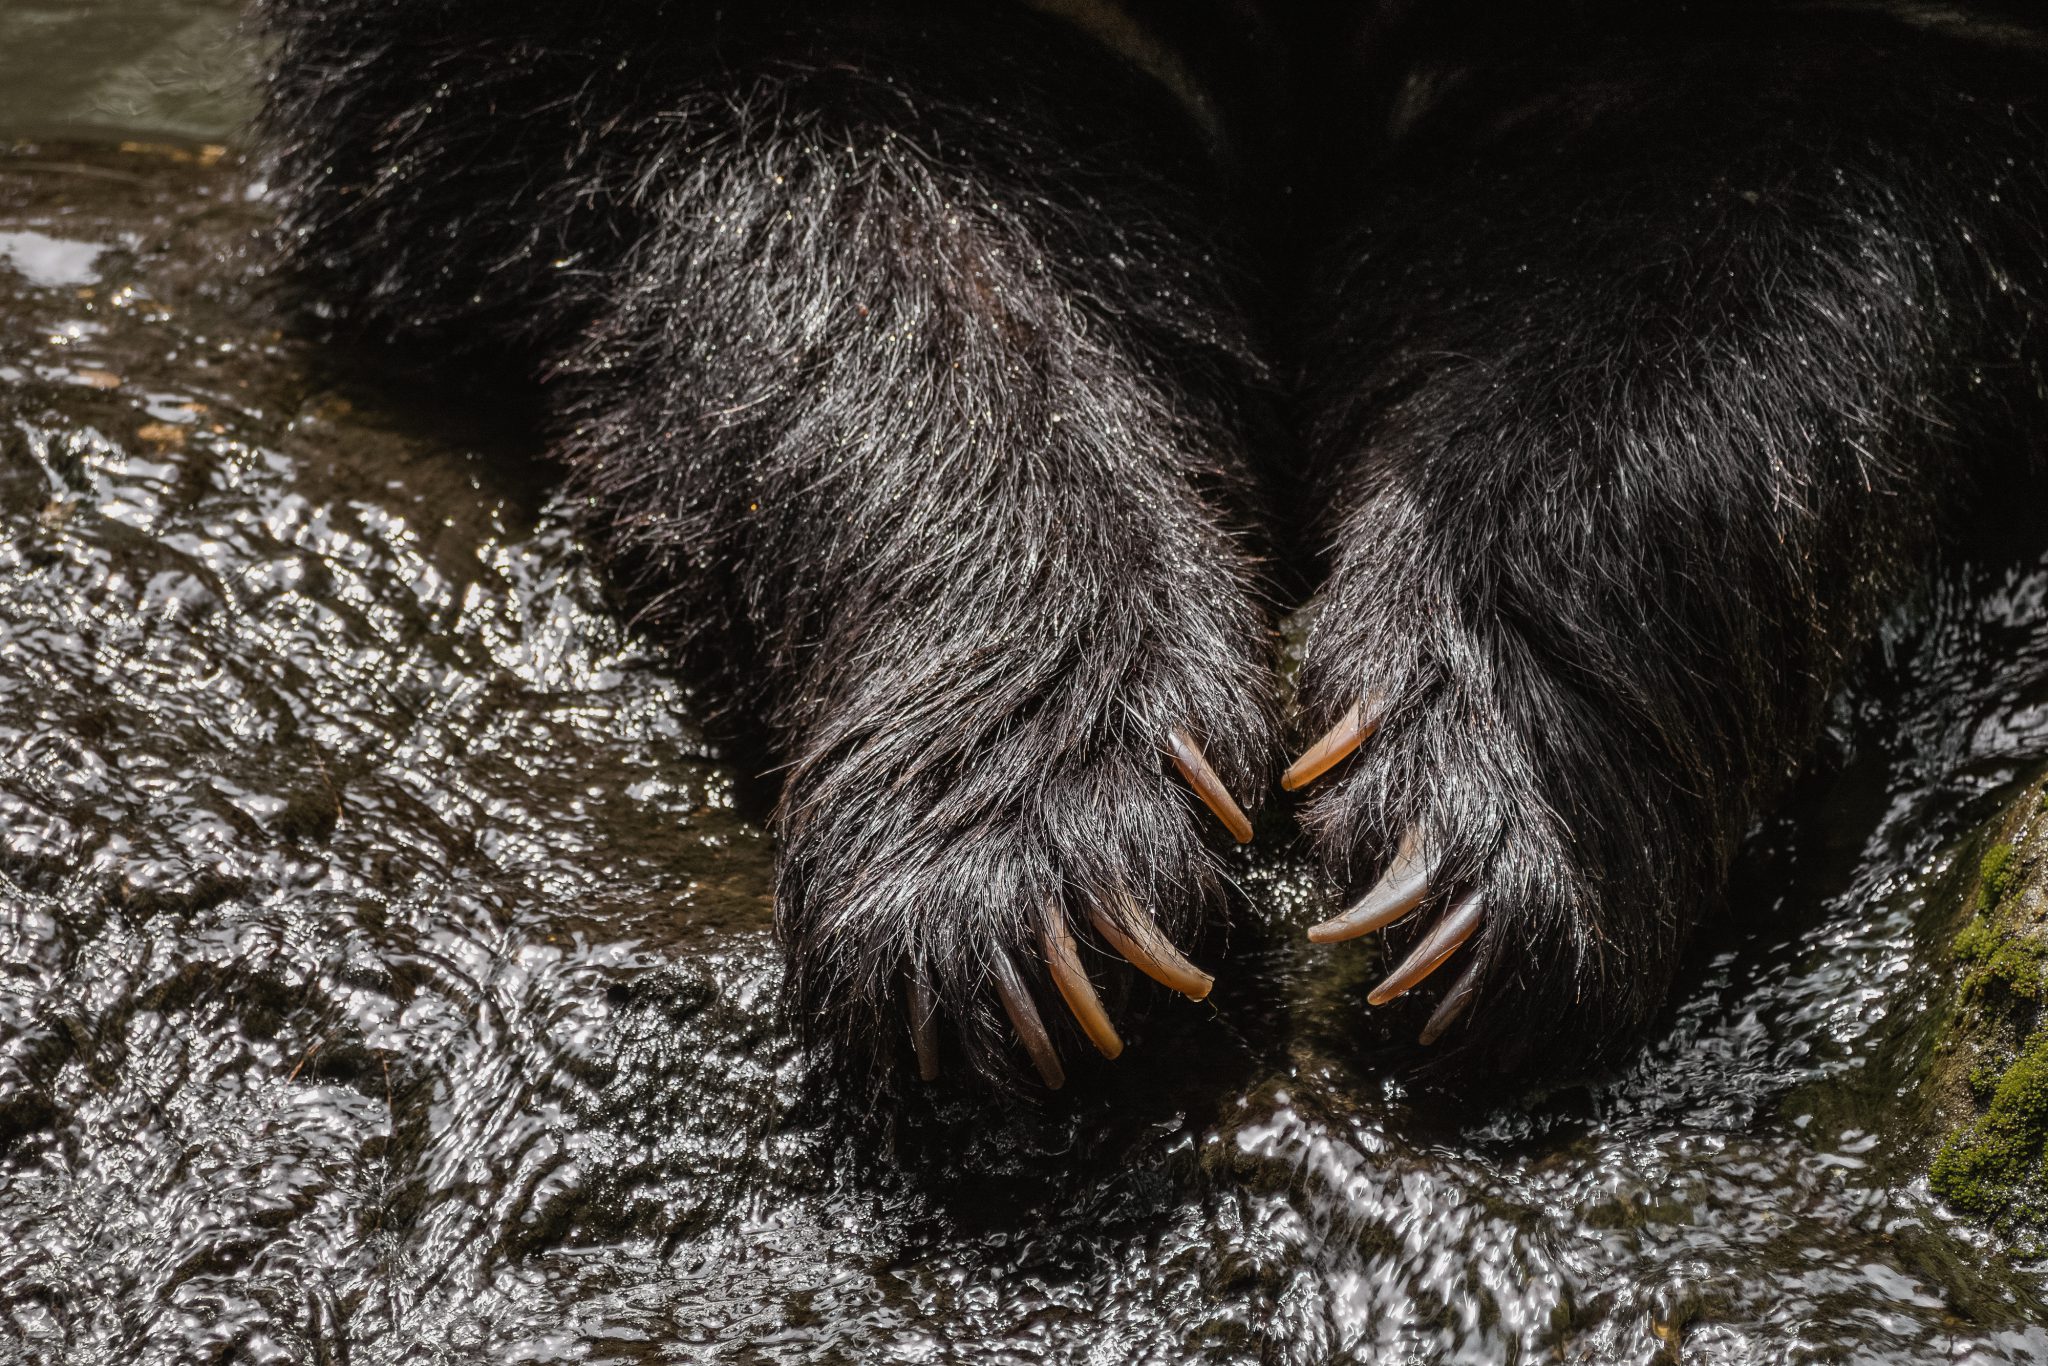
x=385, y=969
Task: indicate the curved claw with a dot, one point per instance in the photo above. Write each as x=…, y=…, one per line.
x=924, y=1023
x=1353, y=730
x=1188, y=758
x=1440, y=943
x=1063, y=960
x=1024, y=1019
x=1151, y=952
x=1452, y=1008
x=1400, y=890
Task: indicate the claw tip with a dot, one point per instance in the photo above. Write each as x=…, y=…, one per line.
x=1335, y=745
x=1194, y=766
x=1142, y=944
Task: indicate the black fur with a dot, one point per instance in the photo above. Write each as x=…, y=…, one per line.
x=900, y=361
x=907, y=393
x=1655, y=346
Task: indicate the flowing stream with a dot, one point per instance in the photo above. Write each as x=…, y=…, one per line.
x=385, y=967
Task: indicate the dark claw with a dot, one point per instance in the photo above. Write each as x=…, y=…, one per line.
x=1024, y=1019
x=1452, y=1008
x=924, y=1024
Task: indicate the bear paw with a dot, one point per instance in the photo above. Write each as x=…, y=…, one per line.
x=1514, y=827
x=955, y=882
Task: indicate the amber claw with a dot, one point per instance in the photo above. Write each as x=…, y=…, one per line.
x=1400, y=890
x=1439, y=944
x=1063, y=961
x=1188, y=758
x=1337, y=743
x=1151, y=952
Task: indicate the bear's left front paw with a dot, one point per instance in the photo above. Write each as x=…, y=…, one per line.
x=1499, y=819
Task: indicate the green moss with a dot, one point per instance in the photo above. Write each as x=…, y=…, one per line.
x=2009, y=970
x=1995, y=875
x=1976, y=942
x=2002, y=964
x=1996, y=1169
x=2018, y=966
x=1990, y=1058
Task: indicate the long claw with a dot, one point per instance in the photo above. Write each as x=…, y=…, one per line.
x=1452, y=1008
x=1151, y=952
x=1187, y=757
x=1024, y=1019
x=1440, y=943
x=1063, y=959
x=1400, y=890
x=924, y=1024
x=1348, y=734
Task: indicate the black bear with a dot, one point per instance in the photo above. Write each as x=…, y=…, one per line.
x=917, y=366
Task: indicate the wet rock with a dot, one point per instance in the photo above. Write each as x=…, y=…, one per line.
x=1990, y=1080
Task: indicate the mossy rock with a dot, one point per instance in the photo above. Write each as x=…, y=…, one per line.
x=1991, y=1081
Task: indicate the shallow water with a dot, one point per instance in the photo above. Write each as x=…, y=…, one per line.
x=385, y=970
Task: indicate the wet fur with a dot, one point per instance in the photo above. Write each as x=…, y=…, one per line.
x=905, y=377
x=896, y=362
x=1624, y=427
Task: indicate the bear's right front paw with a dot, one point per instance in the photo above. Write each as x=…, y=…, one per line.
x=938, y=874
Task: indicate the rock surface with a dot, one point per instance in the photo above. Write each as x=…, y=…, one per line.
x=1991, y=1075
